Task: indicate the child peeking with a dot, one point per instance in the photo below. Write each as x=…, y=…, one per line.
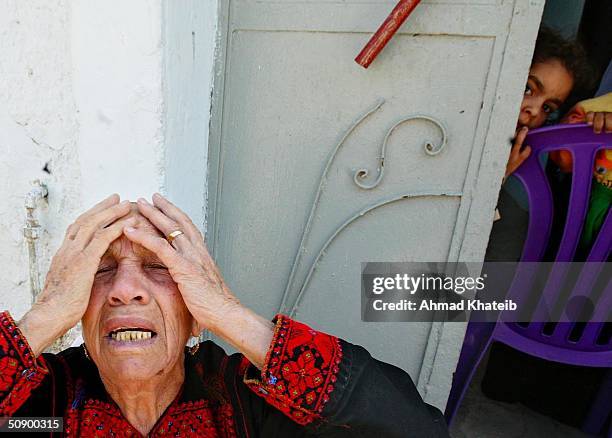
x=558, y=67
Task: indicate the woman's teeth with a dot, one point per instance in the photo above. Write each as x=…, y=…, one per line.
x=131, y=335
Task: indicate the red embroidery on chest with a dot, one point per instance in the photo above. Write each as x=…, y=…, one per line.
x=190, y=419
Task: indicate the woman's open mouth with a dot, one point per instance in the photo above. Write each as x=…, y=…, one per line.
x=131, y=335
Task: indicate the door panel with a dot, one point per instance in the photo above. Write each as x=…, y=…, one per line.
x=393, y=232
x=299, y=195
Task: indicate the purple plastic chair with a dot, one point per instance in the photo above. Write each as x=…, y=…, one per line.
x=589, y=349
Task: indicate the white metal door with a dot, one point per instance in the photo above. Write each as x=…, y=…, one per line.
x=288, y=94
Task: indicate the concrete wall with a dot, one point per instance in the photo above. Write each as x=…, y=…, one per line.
x=117, y=55
x=38, y=128
x=190, y=41
x=108, y=97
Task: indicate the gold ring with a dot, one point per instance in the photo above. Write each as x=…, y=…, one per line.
x=173, y=235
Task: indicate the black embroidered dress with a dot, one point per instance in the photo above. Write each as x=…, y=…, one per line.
x=312, y=384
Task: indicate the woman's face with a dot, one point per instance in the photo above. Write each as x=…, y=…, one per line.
x=136, y=324
x=548, y=85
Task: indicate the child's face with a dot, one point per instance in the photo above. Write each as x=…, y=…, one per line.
x=548, y=85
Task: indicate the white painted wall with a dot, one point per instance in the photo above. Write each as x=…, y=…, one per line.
x=117, y=53
x=114, y=96
x=38, y=125
x=190, y=40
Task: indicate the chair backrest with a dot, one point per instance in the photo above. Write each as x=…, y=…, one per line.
x=592, y=334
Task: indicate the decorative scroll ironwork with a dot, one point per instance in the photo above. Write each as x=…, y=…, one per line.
x=315, y=202
x=430, y=148
x=349, y=221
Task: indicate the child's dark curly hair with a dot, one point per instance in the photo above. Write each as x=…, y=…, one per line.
x=551, y=45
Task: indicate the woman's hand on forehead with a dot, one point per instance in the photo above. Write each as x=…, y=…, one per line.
x=65, y=296
x=204, y=292
x=187, y=259
x=140, y=221
x=164, y=230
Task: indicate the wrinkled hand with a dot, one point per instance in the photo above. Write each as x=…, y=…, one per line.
x=518, y=156
x=65, y=296
x=192, y=268
x=71, y=274
x=601, y=121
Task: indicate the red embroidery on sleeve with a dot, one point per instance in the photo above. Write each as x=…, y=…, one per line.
x=300, y=370
x=19, y=372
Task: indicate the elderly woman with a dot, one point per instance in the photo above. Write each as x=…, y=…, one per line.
x=141, y=281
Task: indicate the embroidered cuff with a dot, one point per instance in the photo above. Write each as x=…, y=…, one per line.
x=20, y=373
x=300, y=370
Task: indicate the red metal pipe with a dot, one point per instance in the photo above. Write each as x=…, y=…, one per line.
x=385, y=32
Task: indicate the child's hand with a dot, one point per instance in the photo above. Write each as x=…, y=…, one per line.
x=517, y=156
x=601, y=121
